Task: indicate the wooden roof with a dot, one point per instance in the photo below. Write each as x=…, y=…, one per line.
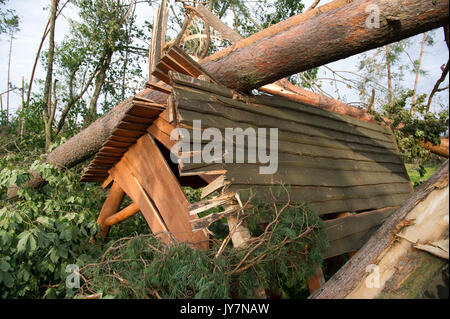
x=335, y=162
x=140, y=116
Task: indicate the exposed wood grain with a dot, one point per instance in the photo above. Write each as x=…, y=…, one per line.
x=216, y=184
x=159, y=182
x=123, y=176
x=352, y=274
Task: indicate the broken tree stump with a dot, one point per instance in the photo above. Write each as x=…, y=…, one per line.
x=393, y=264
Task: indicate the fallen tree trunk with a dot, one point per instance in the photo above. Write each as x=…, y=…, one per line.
x=298, y=94
x=81, y=146
x=285, y=48
x=290, y=46
x=398, y=260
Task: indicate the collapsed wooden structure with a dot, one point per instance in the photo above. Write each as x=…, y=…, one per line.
x=348, y=170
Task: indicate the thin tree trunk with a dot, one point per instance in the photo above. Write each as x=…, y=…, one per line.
x=313, y=6
x=38, y=54
x=9, y=73
x=99, y=81
x=436, y=86
x=21, y=108
x=418, y=73
x=389, y=79
x=48, y=120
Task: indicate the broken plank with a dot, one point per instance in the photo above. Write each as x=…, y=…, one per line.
x=132, y=126
x=137, y=119
x=346, y=226
x=162, y=137
x=158, y=73
x=122, y=139
x=123, y=176
x=128, y=132
x=159, y=87
x=215, y=185
x=205, y=222
x=114, y=149
x=144, y=111
x=207, y=204
x=158, y=181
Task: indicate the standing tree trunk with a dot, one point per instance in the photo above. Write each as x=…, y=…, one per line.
x=388, y=67
x=418, y=73
x=9, y=73
x=99, y=81
x=47, y=114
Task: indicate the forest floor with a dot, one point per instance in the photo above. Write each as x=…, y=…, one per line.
x=414, y=175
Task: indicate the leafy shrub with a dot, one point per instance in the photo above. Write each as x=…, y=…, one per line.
x=44, y=231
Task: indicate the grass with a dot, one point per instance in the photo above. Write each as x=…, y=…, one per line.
x=414, y=175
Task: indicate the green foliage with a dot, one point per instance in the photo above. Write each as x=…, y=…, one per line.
x=9, y=20
x=416, y=126
x=283, y=10
x=419, y=173
x=44, y=231
x=282, y=257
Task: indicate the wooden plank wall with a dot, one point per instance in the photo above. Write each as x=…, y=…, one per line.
x=337, y=163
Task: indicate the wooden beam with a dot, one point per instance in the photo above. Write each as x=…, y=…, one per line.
x=125, y=213
x=123, y=176
x=107, y=181
x=217, y=24
x=110, y=207
x=152, y=174
x=158, y=37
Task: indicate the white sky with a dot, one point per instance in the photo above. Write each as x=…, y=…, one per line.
x=34, y=18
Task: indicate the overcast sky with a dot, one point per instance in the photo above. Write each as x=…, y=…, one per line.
x=34, y=18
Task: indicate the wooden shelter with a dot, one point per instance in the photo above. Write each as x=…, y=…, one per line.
x=348, y=170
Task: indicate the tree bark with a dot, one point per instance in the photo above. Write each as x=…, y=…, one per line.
x=290, y=47
x=438, y=83
x=48, y=121
x=285, y=48
x=99, y=81
x=418, y=72
x=403, y=271
x=389, y=79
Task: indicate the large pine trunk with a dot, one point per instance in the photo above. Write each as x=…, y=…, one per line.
x=328, y=33
x=405, y=255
